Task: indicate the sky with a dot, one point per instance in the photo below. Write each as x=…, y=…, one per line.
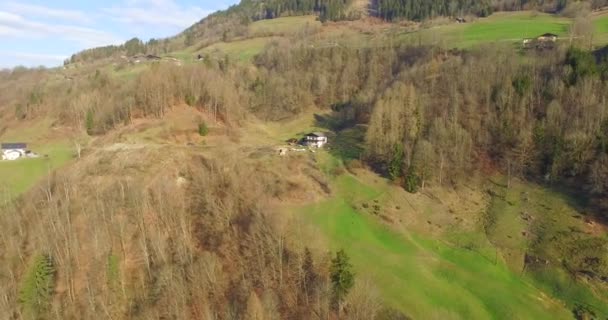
x=36, y=32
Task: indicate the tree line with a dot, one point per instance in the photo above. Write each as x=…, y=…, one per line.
x=423, y=9
x=327, y=9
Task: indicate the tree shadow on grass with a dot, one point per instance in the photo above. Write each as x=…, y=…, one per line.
x=347, y=138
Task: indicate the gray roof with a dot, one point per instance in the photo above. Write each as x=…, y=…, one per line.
x=317, y=134
x=14, y=146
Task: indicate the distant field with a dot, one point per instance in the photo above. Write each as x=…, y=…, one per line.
x=513, y=27
x=283, y=26
x=507, y=27
x=500, y=27
x=241, y=50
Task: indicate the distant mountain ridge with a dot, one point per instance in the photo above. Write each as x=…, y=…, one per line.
x=232, y=23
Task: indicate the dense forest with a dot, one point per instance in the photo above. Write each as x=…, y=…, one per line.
x=327, y=9
x=421, y=9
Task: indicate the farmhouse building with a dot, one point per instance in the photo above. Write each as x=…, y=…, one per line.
x=13, y=151
x=542, y=42
x=315, y=139
x=547, y=37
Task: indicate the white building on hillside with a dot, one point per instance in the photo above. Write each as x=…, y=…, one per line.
x=13, y=151
x=315, y=139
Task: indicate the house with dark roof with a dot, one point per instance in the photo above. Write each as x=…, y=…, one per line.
x=547, y=37
x=13, y=151
x=315, y=139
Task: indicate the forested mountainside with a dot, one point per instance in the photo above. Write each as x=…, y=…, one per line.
x=459, y=182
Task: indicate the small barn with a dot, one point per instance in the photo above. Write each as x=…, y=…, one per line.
x=13, y=151
x=315, y=139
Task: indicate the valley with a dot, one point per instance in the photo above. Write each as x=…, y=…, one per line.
x=464, y=178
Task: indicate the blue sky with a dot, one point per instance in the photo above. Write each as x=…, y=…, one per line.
x=35, y=32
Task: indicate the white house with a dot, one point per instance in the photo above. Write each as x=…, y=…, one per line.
x=13, y=151
x=315, y=139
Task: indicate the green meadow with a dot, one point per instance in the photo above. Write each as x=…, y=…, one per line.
x=431, y=278
x=509, y=27
x=240, y=50
x=283, y=26
x=21, y=175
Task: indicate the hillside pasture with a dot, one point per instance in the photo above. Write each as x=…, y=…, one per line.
x=21, y=175
x=283, y=26
x=18, y=176
x=240, y=50
x=422, y=277
x=509, y=27
x=431, y=256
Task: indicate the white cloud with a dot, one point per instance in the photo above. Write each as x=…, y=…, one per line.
x=156, y=13
x=12, y=24
x=31, y=10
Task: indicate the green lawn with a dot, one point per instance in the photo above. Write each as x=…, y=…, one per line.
x=19, y=176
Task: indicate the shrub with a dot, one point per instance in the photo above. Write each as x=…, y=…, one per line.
x=412, y=181
x=582, y=63
x=113, y=270
x=37, y=286
x=90, y=122
x=190, y=99
x=395, y=166
x=203, y=130
x=522, y=84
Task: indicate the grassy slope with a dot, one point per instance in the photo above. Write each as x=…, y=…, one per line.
x=286, y=25
x=464, y=272
x=424, y=277
x=600, y=23
x=500, y=27
x=19, y=176
x=241, y=50
x=549, y=214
